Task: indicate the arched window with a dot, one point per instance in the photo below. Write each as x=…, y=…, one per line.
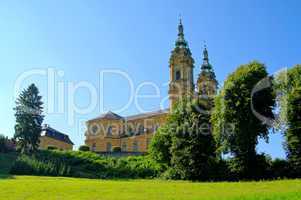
x=130, y=131
x=109, y=131
x=109, y=147
x=178, y=75
x=141, y=129
x=135, y=146
x=94, y=129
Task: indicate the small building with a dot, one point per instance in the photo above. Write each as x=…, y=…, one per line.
x=51, y=138
x=131, y=134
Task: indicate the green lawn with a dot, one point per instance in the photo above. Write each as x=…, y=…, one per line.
x=29, y=187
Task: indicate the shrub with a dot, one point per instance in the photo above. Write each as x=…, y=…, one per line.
x=116, y=149
x=51, y=148
x=160, y=145
x=280, y=169
x=27, y=165
x=84, y=148
x=170, y=174
x=85, y=165
x=3, y=144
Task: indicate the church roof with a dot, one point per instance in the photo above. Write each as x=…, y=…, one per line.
x=108, y=115
x=55, y=134
x=148, y=114
x=114, y=116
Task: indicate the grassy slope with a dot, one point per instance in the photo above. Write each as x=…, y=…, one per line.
x=28, y=187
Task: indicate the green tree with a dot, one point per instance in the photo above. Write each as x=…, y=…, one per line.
x=3, y=144
x=288, y=85
x=240, y=116
x=193, y=147
x=29, y=118
x=160, y=145
x=84, y=148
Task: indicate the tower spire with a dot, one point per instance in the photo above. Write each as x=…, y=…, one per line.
x=205, y=53
x=181, y=66
x=206, y=64
x=180, y=42
x=206, y=83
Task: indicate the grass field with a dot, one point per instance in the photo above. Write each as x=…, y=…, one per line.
x=29, y=187
x=56, y=188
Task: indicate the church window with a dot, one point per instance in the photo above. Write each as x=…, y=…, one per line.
x=109, y=132
x=178, y=75
x=141, y=129
x=94, y=129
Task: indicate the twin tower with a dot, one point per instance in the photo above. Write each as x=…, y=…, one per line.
x=181, y=66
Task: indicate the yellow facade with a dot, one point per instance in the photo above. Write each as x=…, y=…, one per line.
x=131, y=134
x=46, y=142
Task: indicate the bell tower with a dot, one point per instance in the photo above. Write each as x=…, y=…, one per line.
x=181, y=66
x=206, y=83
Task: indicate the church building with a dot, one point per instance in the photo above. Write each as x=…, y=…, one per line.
x=132, y=134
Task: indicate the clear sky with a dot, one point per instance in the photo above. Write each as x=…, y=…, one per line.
x=77, y=40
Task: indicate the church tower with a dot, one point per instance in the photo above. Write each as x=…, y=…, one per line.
x=206, y=83
x=181, y=66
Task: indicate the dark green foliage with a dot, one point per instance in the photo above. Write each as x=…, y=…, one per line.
x=52, y=148
x=29, y=118
x=171, y=174
x=261, y=168
x=6, y=162
x=288, y=85
x=27, y=165
x=281, y=169
x=3, y=144
x=85, y=164
x=91, y=165
x=116, y=149
x=236, y=128
x=293, y=133
x=84, y=148
x=193, y=147
x=185, y=142
x=160, y=145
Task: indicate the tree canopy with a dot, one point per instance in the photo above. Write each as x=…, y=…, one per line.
x=235, y=124
x=29, y=118
x=288, y=86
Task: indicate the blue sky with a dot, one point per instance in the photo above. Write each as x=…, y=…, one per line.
x=79, y=39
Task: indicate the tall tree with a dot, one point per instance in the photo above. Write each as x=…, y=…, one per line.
x=236, y=126
x=29, y=118
x=288, y=85
x=193, y=147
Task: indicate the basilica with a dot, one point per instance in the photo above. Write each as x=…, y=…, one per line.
x=111, y=132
